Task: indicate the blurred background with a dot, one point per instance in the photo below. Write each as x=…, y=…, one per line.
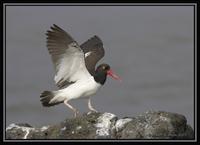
x=149, y=47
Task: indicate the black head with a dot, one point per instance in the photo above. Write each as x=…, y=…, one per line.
x=103, y=68
x=101, y=73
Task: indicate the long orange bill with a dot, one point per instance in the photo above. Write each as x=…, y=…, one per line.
x=113, y=75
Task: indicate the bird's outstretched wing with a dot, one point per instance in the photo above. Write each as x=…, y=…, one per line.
x=94, y=51
x=67, y=57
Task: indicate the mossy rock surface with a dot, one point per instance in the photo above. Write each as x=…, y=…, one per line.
x=148, y=125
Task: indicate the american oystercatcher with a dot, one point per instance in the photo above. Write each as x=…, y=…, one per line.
x=76, y=76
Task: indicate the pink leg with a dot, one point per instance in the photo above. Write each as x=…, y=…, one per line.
x=90, y=106
x=76, y=112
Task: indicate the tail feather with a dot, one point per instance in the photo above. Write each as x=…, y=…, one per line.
x=46, y=97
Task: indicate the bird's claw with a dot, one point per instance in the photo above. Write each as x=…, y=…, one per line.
x=93, y=111
x=76, y=113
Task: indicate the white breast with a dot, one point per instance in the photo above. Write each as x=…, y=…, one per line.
x=80, y=89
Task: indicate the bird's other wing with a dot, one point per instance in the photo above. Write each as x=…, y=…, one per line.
x=94, y=51
x=67, y=57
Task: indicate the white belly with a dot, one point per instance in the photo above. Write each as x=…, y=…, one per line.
x=80, y=89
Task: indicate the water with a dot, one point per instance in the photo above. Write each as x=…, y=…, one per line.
x=149, y=47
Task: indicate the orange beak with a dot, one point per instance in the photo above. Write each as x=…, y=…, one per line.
x=113, y=75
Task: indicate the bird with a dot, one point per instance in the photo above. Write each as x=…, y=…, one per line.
x=75, y=73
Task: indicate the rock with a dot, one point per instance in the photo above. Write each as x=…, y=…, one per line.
x=149, y=125
x=157, y=125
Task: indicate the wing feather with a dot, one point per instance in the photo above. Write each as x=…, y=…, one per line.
x=67, y=57
x=94, y=51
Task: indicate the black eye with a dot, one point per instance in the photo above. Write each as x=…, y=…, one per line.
x=107, y=67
